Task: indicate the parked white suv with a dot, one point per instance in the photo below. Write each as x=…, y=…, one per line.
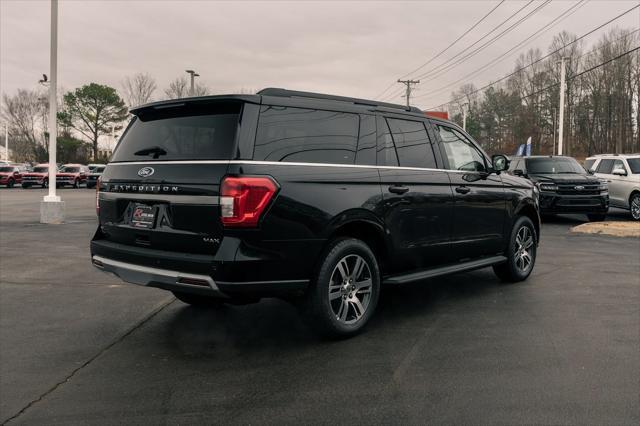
x=622, y=173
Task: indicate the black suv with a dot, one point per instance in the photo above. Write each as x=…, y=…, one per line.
x=314, y=198
x=565, y=186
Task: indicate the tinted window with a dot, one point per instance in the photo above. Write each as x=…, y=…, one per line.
x=588, y=164
x=553, y=165
x=6, y=169
x=98, y=169
x=412, y=143
x=367, y=141
x=634, y=165
x=386, y=150
x=605, y=166
x=305, y=135
x=70, y=169
x=461, y=153
x=41, y=169
x=187, y=133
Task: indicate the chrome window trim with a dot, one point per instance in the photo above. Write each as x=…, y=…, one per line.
x=286, y=163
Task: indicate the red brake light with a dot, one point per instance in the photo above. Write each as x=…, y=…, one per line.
x=243, y=199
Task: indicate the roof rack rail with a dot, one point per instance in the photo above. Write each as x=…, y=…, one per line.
x=284, y=93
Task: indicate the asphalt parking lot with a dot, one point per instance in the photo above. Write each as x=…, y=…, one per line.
x=77, y=346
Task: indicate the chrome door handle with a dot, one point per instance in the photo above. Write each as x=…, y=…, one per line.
x=463, y=190
x=398, y=189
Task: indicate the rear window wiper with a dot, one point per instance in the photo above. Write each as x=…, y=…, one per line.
x=155, y=150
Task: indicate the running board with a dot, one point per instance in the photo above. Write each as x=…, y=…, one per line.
x=445, y=270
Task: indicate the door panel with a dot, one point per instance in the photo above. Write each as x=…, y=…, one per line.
x=418, y=220
x=480, y=200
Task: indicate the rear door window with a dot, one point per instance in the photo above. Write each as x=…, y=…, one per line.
x=180, y=133
x=412, y=143
x=306, y=136
x=605, y=167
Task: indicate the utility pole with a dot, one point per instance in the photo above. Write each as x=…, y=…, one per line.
x=52, y=207
x=193, y=75
x=409, y=84
x=464, y=116
x=555, y=117
x=561, y=118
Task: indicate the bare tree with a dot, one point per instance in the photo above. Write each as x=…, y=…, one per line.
x=24, y=112
x=138, y=89
x=180, y=88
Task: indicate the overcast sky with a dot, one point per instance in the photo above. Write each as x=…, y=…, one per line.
x=347, y=48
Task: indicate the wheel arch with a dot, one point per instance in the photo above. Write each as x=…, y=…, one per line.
x=364, y=227
x=527, y=208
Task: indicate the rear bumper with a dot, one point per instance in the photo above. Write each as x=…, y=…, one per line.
x=194, y=273
x=554, y=203
x=156, y=277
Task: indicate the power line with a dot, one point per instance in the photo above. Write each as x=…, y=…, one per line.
x=445, y=49
x=563, y=15
x=446, y=67
x=544, y=57
x=582, y=73
x=470, y=46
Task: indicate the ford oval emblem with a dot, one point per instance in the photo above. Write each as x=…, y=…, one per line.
x=145, y=172
x=579, y=187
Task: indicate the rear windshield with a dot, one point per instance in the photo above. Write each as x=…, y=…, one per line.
x=41, y=169
x=634, y=165
x=181, y=133
x=553, y=166
x=70, y=169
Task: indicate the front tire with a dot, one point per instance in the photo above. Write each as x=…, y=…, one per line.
x=45, y=183
x=345, y=292
x=634, y=206
x=10, y=183
x=596, y=217
x=197, y=300
x=521, y=252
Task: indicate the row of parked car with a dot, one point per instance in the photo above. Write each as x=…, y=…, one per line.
x=567, y=187
x=74, y=175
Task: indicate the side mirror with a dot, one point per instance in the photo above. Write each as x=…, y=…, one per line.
x=518, y=172
x=500, y=163
x=619, y=172
x=591, y=171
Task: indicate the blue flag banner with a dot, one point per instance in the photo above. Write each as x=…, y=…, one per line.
x=520, y=150
x=528, y=147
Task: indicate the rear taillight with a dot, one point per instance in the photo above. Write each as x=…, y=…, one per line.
x=98, y=196
x=244, y=199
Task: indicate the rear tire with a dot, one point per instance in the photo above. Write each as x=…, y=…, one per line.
x=521, y=252
x=596, y=217
x=634, y=206
x=76, y=184
x=344, y=294
x=197, y=300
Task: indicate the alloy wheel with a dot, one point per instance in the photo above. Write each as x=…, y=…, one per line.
x=635, y=207
x=524, y=249
x=350, y=289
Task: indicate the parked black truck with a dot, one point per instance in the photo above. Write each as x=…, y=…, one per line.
x=565, y=186
x=314, y=198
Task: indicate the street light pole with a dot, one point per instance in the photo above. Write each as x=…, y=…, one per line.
x=464, y=117
x=561, y=118
x=193, y=75
x=52, y=208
